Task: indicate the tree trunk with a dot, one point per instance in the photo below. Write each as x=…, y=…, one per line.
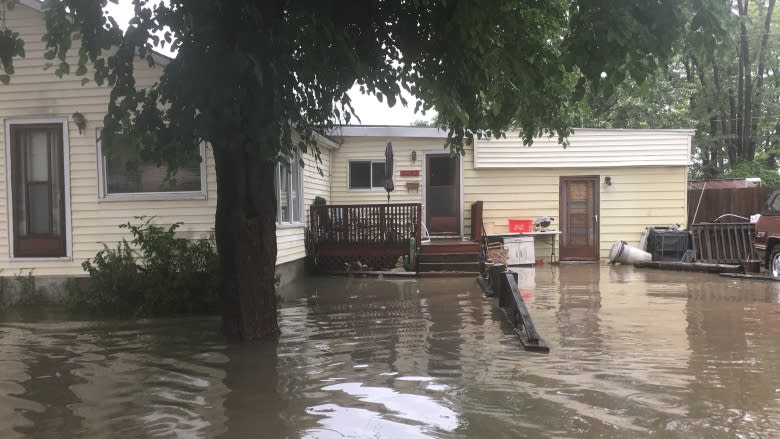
x=758, y=98
x=246, y=242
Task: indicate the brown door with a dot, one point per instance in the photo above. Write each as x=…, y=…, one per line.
x=442, y=194
x=38, y=190
x=579, y=207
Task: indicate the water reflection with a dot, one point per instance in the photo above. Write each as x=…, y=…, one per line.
x=635, y=353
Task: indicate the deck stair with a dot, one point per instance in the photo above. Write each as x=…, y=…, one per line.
x=449, y=256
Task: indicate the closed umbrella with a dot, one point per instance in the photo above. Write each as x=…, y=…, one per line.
x=389, y=186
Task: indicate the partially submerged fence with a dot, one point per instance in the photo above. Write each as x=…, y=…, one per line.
x=716, y=202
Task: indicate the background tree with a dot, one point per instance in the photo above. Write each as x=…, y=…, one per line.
x=729, y=92
x=250, y=74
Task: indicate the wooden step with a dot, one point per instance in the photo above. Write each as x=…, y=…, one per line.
x=449, y=257
x=470, y=267
x=450, y=247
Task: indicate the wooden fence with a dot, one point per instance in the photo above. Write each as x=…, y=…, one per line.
x=716, y=202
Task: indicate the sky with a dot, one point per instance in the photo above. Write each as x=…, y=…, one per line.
x=368, y=108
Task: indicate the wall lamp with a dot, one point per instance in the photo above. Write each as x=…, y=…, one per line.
x=80, y=121
x=414, y=156
x=608, y=181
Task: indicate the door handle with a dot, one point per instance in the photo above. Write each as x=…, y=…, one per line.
x=596, y=217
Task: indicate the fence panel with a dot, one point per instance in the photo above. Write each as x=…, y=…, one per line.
x=716, y=202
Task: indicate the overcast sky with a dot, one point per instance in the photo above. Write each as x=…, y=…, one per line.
x=368, y=108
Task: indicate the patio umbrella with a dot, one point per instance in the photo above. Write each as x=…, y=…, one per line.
x=389, y=186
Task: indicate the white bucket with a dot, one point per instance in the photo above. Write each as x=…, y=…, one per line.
x=625, y=254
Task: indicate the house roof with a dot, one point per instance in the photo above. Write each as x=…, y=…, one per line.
x=436, y=133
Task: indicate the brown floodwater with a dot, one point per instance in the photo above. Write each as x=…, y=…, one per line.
x=635, y=353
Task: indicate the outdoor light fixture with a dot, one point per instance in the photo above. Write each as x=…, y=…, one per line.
x=80, y=121
x=414, y=156
x=608, y=180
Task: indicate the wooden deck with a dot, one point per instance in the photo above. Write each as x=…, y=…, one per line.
x=373, y=235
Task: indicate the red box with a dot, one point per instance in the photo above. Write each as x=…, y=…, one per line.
x=520, y=225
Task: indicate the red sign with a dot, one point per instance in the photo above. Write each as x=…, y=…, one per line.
x=410, y=173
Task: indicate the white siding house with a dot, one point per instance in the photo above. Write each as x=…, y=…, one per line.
x=60, y=199
x=66, y=188
x=647, y=172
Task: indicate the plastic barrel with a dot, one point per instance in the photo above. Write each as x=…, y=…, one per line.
x=625, y=254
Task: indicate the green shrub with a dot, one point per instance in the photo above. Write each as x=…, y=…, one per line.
x=156, y=273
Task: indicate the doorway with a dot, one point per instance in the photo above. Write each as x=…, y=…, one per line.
x=38, y=190
x=579, y=212
x=442, y=194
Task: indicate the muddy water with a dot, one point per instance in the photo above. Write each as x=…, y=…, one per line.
x=634, y=354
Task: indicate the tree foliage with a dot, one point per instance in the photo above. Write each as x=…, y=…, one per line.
x=729, y=92
x=250, y=74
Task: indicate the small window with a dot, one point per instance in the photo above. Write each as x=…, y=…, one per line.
x=774, y=203
x=366, y=174
x=289, y=194
x=124, y=176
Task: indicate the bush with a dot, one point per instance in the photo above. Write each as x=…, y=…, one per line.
x=156, y=273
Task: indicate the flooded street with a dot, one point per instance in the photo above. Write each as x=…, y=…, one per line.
x=634, y=353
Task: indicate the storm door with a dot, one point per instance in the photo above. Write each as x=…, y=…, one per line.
x=38, y=190
x=579, y=211
x=442, y=194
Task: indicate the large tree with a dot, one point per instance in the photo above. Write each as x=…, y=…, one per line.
x=257, y=78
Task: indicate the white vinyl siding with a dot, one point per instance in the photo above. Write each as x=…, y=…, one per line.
x=373, y=149
x=35, y=92
x=639, y=197
x=588, y=148
x=290, y=238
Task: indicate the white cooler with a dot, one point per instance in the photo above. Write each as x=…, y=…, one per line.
x=520, y=250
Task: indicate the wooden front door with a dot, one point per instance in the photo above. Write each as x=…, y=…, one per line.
x=579, y=211
x=38, y=190
x=442, y=194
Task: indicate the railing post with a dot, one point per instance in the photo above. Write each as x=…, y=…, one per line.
x=418, y=228
x=382, y=223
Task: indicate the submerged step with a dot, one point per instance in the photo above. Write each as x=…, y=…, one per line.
x=460, y=247
x=449, y=266
x=449, y=257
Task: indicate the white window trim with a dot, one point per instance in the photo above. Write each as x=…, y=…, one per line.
x=278, y=187
x=103, y=196
x=63, y=121
x=363, y=189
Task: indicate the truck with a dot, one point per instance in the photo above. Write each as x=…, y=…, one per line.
x=766, y=238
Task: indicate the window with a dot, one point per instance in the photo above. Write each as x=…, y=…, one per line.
x=366, y=174
x=289, y=194
x=123, y=176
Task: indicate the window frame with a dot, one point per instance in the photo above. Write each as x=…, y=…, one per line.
x=278, y=192
x=103, y=194
x=371, y=175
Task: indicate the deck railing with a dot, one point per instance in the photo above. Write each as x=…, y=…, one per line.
x=380, y=225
